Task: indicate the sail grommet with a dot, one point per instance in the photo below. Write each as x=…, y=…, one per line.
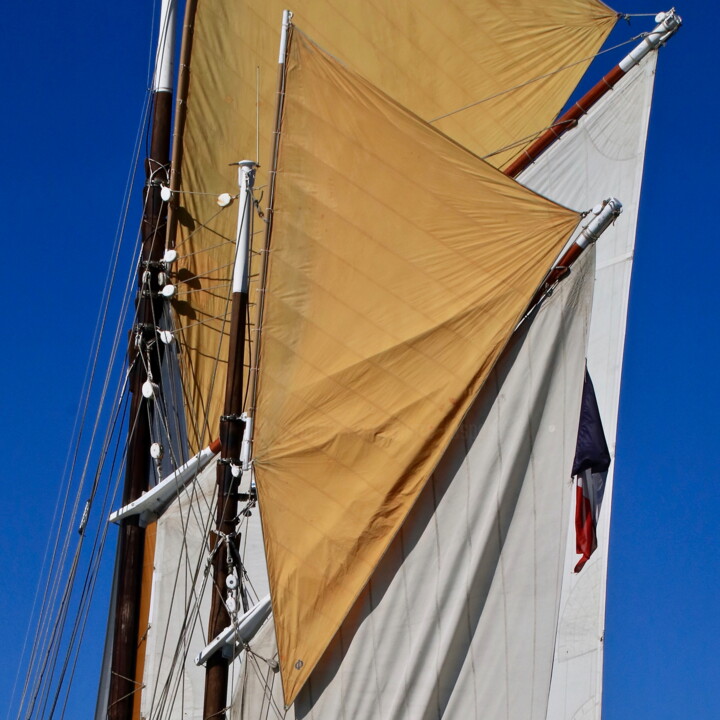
x=299, y=664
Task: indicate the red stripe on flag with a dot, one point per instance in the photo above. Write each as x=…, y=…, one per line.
x=585, y=538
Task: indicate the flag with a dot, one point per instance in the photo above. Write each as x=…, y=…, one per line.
x=592, y=460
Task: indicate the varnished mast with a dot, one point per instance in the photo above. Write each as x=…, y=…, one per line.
x=231, y=436
x=144, y=362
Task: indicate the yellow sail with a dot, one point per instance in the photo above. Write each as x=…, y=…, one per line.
x=433, y=57
x=399, y=265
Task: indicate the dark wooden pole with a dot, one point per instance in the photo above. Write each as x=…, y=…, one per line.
x=668, y=23
x=143, y=344
x=231, y=434
x=565, y=122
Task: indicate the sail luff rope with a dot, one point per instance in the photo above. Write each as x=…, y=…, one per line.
x=533, y=80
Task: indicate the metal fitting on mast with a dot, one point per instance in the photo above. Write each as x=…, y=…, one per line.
x=667, y=24
x=165, y=55
x=605, y=215
x=246, y=180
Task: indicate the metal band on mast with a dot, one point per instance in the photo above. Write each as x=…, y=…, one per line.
x=605, y=215
x=668, y=24
x=144, y=373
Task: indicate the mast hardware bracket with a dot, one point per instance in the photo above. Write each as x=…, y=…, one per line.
x=155, y=264
x=234, y=418
x=234, y=638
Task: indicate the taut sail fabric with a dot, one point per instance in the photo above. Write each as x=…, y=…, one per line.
x=459, y=618
x=433, y=57
x=399, y=265
x=603, y=156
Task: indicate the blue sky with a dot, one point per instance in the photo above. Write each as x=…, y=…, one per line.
x=74, y=80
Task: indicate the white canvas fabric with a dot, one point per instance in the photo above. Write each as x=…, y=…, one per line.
x=180, y=604
x=603, y=156
x=459, y=620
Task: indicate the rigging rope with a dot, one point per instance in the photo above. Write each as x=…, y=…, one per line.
x=533, y=80
x=40, y=670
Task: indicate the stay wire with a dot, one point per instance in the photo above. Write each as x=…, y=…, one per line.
x=82, y=414
x=532, y=80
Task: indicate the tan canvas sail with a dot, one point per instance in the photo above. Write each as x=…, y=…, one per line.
x=433, y=57
x=398, y=267
x=459, y=618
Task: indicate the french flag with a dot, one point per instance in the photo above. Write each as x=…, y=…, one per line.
x=592, y=460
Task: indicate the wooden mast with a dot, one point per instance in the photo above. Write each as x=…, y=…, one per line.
x=144, y=362
x=231, y=436
x=231, y=427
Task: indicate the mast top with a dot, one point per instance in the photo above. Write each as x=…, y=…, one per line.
x=165, y=56
x=668, y=23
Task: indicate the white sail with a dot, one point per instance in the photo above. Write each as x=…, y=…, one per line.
x=459, y=619
x=424, y=667
x=604, y=155
x=173, y=684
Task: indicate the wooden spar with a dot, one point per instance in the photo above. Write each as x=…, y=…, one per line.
x=564, y=123
x=668, y=23
x=231, y=436
x=605, y=214
x=149, y=307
